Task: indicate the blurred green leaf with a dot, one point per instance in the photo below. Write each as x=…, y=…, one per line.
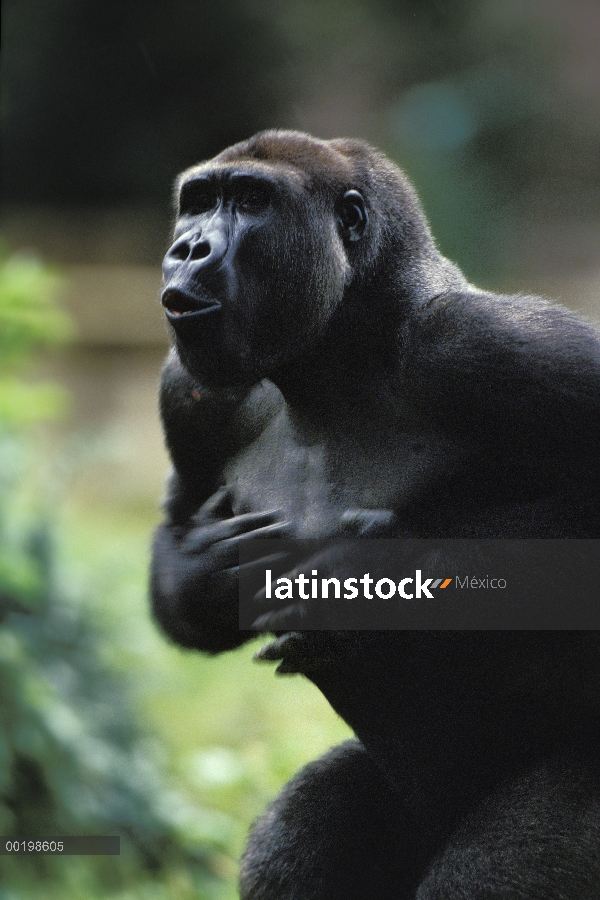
x=29, y=317
x=73, y=758
x=22, y=405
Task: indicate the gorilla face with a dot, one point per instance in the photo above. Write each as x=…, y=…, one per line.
x=257, y=266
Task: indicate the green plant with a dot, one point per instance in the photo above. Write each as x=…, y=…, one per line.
x=73, y=756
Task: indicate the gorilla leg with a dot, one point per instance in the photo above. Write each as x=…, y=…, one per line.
x=538, y=838
x=336, y=831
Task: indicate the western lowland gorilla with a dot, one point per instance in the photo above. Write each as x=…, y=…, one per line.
x=332, y=373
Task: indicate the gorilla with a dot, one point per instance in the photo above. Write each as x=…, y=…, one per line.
x=332, y=374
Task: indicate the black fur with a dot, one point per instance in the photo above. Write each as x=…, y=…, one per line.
x=332, y=373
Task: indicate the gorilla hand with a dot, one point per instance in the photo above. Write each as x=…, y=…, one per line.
x=194, y=579
x=337, y=560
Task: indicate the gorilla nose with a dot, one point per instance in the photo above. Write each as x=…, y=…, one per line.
x=195, y=250
x=186, y=250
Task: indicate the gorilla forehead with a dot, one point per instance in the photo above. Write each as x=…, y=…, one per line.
x=294, y=181
x=334, y=166
x=314, y=157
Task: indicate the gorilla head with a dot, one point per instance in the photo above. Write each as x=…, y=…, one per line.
x=274, y=237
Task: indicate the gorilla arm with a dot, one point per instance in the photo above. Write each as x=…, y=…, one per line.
x=476, y=350
x=519, y=378
x=194, y=580
x=204, y=428
x=194, y=584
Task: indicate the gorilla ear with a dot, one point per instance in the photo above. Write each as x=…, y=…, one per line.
x=353, y=216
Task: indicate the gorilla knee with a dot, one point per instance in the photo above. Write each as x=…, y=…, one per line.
x=336, y=831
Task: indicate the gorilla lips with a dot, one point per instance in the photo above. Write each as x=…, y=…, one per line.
x=178, y=304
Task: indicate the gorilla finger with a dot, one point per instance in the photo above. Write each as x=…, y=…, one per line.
x=276, y=530
x=225, y=557
x=199, y=539
x=293, y=650
x=276, y=561
x=219, y=502
x=280, y=619
x=367, y=522
x=284, y=645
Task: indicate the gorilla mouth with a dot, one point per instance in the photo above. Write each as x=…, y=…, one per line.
x=179, y=305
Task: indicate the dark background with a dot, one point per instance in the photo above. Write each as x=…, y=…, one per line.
x=492, y=107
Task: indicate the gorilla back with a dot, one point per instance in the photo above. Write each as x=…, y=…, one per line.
x=333, y=374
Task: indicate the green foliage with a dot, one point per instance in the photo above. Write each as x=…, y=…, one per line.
x=29, y=319
x=28, y=314
x=73, y=758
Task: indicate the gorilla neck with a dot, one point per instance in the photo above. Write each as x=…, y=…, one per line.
x=328, y=402
x=360, y=355
x=336, y=379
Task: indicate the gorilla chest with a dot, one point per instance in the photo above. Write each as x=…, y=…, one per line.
x=312, y=484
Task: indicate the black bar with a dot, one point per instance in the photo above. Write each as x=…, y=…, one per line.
x=81, y=845
x=397, y=584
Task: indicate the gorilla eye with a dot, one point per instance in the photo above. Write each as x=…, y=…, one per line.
x=197, y=198
x=254, y=199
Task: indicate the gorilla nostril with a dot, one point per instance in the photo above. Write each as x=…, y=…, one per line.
x=180, y=250
x=201, y=250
